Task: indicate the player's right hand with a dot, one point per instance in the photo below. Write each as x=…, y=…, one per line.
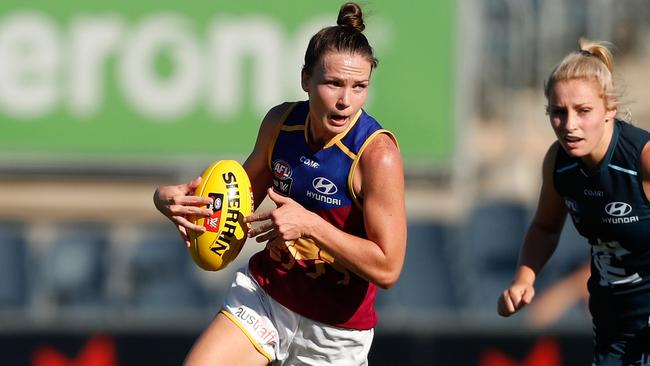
x=515, y=298
x=175, y=202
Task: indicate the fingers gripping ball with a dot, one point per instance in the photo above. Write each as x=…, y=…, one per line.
x=227, y=183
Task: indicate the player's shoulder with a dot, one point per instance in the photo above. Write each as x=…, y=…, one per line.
x=630, y=129
x=550, y=158
x=382, y=152
x=644, y=160
x=634, y=140
x=275, y=116
x=551, y=152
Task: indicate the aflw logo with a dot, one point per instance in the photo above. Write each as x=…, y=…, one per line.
x=213, y=222
x=618, y=210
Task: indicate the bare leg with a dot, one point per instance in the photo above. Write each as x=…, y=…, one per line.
x=224, y=344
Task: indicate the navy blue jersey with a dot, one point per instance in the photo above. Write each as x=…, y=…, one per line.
x=609, y=207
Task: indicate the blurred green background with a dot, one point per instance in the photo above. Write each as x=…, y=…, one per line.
x=168, y=78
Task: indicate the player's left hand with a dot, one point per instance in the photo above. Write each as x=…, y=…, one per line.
x=289, y=221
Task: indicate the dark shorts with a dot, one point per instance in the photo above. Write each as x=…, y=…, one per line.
x=622, y=348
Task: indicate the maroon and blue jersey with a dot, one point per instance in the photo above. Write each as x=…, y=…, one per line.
x=609, y=207
x=298, y=274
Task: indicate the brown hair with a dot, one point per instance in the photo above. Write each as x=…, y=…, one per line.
x=347, y=36
x=592, y=61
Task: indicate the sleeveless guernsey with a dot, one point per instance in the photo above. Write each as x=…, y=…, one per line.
x=298, y=274
x=610, y=209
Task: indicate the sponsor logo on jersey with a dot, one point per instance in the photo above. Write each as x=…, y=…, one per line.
x=619, y=212
x=618, y=209
x=310, y=163
x=593, y=193
x=212, y=223
x=324, y=189
x=324, y=186
x=323, y=198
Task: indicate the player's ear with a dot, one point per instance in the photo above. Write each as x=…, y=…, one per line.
x=304, y=80
x=611, y=104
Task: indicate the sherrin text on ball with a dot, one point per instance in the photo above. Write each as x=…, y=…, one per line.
x=227, y=183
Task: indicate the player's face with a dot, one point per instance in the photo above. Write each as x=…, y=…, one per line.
x=337, y=89
x=580, y=119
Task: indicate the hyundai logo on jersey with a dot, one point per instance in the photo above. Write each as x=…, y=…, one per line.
x=618, y=209
x=325, y=189
x=324, y=186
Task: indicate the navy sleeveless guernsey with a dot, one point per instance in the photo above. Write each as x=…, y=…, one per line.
x=610, y=209
x=298, y=274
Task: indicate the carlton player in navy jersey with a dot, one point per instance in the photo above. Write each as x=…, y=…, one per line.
x=339, y=229
x=598, y=171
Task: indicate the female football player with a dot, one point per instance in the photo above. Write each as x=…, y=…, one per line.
x=598, y=171
x=339, y=229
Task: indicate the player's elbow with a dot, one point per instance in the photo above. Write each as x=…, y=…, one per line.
x=389, y=271
x=386, y=285
x=387, y=279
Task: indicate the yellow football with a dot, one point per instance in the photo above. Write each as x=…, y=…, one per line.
x=227, y=183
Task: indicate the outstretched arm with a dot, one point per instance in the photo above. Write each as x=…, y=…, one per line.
x=539, y=244
x=560, y=297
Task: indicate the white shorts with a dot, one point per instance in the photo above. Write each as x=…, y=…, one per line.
x=286, y=338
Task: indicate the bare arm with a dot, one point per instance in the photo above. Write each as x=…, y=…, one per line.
x=256, y=165
x=539, y=244
x=380, y=257
x=645, y=169
x=560, y=297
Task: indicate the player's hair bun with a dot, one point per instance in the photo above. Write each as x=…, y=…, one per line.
x=598, y=49
x=350, y=15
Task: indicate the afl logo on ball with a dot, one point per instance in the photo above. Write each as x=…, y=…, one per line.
x=618, y=209
x=217, y=199
x=211, y=223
